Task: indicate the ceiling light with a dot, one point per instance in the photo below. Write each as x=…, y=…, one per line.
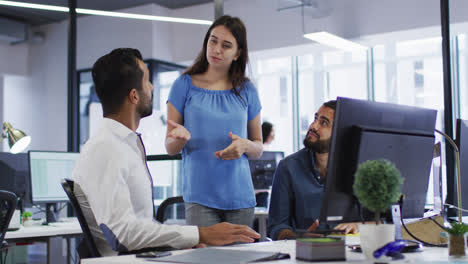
x=145, y=17
x=331, y=40
x=35, y=6
x=107, y=13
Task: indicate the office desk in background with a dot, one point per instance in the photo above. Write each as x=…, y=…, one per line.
x=51, y=234
x=289, y=246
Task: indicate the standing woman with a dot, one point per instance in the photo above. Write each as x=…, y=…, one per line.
x=214, y=119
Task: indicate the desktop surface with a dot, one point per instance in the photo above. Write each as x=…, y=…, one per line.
x=71, y=227
x=435, y=255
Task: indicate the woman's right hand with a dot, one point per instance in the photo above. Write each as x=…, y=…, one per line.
x=177, y=131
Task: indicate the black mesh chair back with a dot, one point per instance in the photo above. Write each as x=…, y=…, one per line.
x=7, y=208
x=262, y=199
x=166, y=205
x=88, y=248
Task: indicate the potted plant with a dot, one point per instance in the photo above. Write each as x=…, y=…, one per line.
x=457, y=239
x=27, y=218
x=377, y=185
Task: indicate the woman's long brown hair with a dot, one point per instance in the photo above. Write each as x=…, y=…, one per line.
x=237, y=69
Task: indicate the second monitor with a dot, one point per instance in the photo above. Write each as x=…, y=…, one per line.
x=47, y=169
x=263, y=169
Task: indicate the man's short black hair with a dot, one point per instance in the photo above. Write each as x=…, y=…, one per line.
x=330, y=104
x=266, y=130
x=114, y=75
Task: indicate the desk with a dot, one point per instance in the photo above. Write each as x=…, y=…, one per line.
x=51, y=234
x=289, y=246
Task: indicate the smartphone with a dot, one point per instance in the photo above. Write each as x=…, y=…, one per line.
x=153, y=254
x=355, y=248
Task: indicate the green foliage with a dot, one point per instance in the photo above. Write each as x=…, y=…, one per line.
x=457, y=229
x=377, y=185
x=27, y=214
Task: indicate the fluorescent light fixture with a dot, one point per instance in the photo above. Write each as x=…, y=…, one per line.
x=107, y=13
x=331, y=40
x=145, y=17
x=34, y=6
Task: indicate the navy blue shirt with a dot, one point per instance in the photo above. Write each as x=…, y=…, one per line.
x=296, y=195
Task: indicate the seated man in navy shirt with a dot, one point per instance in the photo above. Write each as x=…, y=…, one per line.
x=298, y=185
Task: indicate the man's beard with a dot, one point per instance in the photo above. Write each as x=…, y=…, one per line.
x=146, y=108
x=319, y=146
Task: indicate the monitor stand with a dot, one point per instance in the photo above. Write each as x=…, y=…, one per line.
x=50, y=213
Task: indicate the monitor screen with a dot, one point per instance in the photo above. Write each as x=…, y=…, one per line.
x=46, y=170
x=365, y=130
x=263, y=169
x=14, y=176
x=462, y=143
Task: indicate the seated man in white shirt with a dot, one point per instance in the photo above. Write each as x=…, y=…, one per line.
x=112, y=182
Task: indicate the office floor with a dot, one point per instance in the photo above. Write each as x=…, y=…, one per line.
x=28, y=254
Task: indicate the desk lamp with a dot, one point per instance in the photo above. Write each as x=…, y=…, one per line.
x=457, y=162
x=17, y=139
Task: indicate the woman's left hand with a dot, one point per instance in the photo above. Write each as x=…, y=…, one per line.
x=233, y=151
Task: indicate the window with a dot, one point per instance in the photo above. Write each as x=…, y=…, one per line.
x=274, y=83
x=410, y=73
x=325, y=76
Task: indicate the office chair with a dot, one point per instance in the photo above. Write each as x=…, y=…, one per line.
x=87, y=247
x=262, y=199
x=161, y=213
x=7, y=208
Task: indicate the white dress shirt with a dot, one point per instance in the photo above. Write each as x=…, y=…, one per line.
x=114, y=189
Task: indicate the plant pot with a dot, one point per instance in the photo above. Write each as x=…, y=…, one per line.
x=27, y=221
x=375, y=236
x=457, y=245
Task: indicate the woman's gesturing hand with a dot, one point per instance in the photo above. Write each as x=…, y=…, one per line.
x=233, y=151
x=177, y=131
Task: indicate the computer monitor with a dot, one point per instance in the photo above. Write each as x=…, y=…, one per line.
x=46, y=170
x=365, y=130
x=263, y=169
x=14, y=176
x=462, y=143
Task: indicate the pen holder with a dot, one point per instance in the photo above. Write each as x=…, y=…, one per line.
x=373, y=237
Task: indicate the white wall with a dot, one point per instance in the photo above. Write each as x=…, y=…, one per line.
x=21, y=116
x=97, y=36
x=48, y=68
x=44, y=88
x=14, y=59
